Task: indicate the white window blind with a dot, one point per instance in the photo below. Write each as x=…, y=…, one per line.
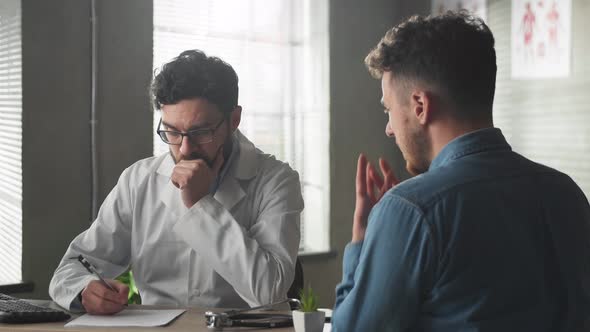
x=10, y=143
x=279, y=50
x=547, y=120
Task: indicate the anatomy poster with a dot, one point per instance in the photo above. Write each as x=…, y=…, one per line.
x=541, y=38
x=477, y=7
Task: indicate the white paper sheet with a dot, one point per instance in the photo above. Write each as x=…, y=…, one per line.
x=128, y=317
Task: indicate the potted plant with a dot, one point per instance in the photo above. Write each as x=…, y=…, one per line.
x=308, y=318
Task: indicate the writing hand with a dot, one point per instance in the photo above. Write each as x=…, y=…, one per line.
x=98, y=299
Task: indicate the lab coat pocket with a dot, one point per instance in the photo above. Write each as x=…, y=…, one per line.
x=166, y=271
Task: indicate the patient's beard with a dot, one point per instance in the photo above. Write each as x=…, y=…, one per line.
x=414, y=170
x=418, y=150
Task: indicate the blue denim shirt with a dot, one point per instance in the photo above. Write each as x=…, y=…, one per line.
x=486, y=240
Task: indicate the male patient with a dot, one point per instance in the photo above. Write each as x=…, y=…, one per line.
x=213, y=223
x=481, y=239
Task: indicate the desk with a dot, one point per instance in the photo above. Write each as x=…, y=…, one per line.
x=192, y=320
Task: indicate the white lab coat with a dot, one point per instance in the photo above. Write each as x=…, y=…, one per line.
x=235, y=249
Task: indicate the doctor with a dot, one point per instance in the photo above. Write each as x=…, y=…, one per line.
x=213, y=223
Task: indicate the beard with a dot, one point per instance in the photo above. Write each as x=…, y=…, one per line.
x=414, y=169
x=418, y=148
x=192, y=156
x=227, y=148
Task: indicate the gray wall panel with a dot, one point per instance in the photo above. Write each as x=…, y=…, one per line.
x=56, y=114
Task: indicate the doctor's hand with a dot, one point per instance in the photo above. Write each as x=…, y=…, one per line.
x=194, y=178
x=370, y=187
x=97, y=299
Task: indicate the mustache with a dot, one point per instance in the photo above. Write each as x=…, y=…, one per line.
x=192, y=156
x=197, y=156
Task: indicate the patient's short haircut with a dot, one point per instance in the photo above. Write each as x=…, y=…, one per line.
x=453, y=53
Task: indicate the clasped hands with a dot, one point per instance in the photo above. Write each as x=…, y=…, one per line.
x=370, y=187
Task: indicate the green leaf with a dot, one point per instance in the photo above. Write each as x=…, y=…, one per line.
x=309, y=300
x=127, y=279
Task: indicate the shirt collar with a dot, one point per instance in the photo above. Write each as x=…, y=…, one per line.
x=235, y=150
x=480, y=140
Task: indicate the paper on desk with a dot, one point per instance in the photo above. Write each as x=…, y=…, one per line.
x=128, y=317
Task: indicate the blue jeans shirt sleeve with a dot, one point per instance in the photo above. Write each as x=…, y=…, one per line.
x=352, y=252
x=388, y=273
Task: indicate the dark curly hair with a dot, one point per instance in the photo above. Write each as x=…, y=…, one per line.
x=193, y=74
x=453, y=52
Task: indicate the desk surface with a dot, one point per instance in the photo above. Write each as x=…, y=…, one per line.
x=192, y=320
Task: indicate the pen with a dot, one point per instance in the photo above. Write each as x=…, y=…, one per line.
x=92, y=270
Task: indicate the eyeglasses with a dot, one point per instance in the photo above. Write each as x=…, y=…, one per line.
x=197, y=136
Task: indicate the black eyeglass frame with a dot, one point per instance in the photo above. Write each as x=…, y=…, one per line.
x=190, y=134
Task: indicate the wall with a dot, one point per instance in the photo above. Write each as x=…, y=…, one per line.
x=56, y=113
x=357, y=121
x=546, y=119
x=125, y=71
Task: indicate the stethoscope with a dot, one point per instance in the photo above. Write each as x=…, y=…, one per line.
x=219, y=320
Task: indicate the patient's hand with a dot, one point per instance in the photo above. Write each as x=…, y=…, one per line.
x=370, y=187
x=97, y=299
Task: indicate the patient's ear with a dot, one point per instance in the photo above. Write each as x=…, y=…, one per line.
x=421, y=106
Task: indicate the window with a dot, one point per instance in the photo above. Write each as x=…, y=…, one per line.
x=279, y=50
x=10, y=143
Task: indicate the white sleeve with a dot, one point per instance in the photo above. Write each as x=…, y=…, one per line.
x=259, y=262
x=106, y=244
